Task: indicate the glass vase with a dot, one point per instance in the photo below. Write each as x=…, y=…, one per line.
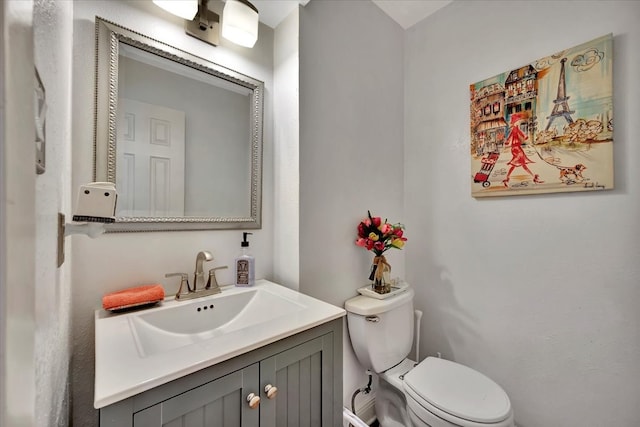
x=380, y=275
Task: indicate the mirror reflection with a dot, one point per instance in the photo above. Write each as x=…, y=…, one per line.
x=193, y=134
x=184, y=145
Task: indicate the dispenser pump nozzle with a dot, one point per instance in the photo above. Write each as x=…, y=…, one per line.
x=244, y=243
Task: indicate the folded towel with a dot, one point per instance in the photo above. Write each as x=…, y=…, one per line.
x=132, y=297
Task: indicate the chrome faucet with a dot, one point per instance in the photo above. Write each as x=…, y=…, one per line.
x=198, y=277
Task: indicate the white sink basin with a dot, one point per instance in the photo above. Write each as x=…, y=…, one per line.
x=140, y=350
x=186, y=323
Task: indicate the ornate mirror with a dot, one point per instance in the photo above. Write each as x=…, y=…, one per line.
x=181, y=137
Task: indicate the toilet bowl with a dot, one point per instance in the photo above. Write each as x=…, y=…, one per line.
x=443, y=393
x=433, y=393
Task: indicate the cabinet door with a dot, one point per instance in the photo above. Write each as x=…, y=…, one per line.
x=219, y=403
x=304, y=378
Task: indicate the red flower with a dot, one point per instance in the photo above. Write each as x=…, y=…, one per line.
x=361, y=230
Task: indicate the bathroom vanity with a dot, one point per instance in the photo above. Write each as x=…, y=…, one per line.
x=285, y=370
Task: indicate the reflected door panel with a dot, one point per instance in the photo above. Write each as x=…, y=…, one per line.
x=151, y=158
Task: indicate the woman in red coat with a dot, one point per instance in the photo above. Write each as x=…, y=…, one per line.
x=518, y=157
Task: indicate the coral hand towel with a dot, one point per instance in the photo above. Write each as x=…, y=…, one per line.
x=132, y=297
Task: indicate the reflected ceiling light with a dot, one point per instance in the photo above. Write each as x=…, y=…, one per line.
x=240, y=22
x=185, y=9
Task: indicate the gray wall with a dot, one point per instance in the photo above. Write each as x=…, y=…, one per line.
x=539, y=292
x=351, y=148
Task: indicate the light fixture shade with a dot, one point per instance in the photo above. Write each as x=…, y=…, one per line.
x=240, y=23
x=185, y=9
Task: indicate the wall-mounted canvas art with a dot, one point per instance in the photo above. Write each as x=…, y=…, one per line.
x=546, y=127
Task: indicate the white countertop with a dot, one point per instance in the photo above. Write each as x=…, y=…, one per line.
x=121, y=372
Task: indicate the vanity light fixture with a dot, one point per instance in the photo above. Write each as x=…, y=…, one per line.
x=200, y=22
x=239, y=22
x=185, y=9
x=205, y=26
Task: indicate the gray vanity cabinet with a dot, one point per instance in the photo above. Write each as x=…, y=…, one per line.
x=301, y=375
x=306, y=369
x=217, y=403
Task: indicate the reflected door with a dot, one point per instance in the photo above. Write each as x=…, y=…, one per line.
x=150, y=162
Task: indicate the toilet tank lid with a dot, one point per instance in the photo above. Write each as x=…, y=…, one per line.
x=366, y=306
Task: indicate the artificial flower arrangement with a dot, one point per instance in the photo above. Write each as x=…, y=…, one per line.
x=378, y=236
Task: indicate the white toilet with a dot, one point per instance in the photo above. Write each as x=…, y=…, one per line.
x=434, y=393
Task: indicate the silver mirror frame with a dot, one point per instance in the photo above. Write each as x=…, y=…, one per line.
x=108, y=38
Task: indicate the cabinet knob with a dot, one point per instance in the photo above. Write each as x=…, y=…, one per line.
x=271, y=391
x=253, y=400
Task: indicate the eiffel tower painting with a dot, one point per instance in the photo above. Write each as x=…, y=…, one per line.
x=561, y=107
x=528, y=136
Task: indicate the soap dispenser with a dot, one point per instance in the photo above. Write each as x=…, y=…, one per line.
x=245, y=265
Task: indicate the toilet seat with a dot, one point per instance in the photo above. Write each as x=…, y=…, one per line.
x=457, y=394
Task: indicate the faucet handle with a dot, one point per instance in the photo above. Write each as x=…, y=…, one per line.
x=184, y=280
x=212, y=282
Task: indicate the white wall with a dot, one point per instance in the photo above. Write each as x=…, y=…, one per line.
x=351, y=149
x=539, y=292
x=286, y=140
x=53, y=40
x=36, y=293
x=119, y=260
x=17, y=217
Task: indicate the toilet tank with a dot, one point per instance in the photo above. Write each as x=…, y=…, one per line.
x=381, y=330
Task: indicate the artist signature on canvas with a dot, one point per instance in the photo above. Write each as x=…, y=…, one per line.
x=594, y=185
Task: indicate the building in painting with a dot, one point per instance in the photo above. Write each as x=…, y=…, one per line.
x=489, y=126
x=521, y=90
